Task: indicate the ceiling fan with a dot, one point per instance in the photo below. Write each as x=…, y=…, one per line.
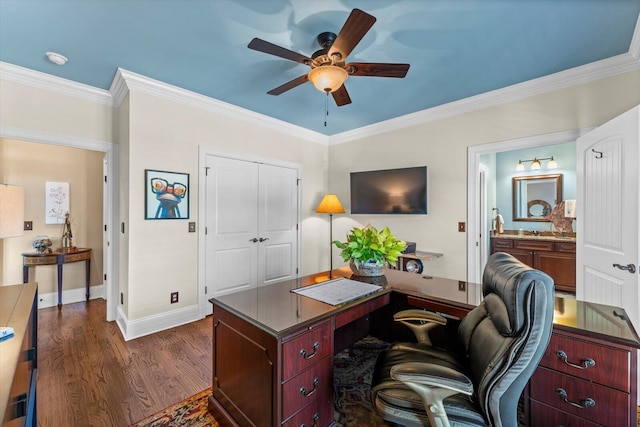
x=328, y=69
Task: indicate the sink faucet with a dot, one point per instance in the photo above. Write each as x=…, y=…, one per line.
x=535, y=232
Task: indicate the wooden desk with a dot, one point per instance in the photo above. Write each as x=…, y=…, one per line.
x=33, y=259
x=272, y=349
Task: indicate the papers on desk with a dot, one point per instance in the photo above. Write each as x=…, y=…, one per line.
x=337, y=291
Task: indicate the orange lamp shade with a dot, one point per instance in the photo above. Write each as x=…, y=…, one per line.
x=330, y=204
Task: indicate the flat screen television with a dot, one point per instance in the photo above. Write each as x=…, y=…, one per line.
x=391, y=191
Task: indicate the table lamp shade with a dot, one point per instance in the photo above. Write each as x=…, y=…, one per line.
x=330, y=205
x=11, y=210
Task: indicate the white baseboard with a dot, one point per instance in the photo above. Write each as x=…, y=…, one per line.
x=70, y=296
x=132, y=329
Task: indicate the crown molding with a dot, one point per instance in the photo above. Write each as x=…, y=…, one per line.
x=54, y=139
x=579, y=75
x=37, y=79
x=125, y=81
x=634, y=47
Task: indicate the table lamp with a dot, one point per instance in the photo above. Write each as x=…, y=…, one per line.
x=330, y=204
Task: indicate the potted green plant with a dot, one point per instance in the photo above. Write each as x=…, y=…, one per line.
x=369, y=251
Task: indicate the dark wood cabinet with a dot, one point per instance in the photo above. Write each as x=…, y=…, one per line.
x=19, y=310
x=555, y=257
x=588, y=374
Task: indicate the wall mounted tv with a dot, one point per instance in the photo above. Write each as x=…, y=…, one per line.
x=391, y=191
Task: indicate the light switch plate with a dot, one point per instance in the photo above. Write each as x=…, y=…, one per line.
x=192, y=227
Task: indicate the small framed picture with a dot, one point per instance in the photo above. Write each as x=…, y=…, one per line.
x=166, y=195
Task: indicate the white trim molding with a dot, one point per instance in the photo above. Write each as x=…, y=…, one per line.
x=561, y=80
x=70, y=296
x=37, y=79
x=126, y=81
x=132, y=329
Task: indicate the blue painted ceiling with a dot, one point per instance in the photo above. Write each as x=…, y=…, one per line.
x=456, y=48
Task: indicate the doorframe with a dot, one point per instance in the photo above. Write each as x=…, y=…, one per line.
x=474, y=152
x=110, y=212
x=203, y=308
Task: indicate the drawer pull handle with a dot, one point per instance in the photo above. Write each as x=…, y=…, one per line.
x=304, y=354
x=316, y=417
x=585, y=363
x=587, y=401
x=305, y=393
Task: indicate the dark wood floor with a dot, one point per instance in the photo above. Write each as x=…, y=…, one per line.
x=89, y=376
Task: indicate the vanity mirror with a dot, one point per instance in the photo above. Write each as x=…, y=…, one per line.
x=534, y=197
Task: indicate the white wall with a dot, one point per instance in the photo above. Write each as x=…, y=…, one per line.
x=166, y=135
x=442, y=146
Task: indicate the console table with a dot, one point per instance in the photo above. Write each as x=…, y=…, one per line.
x=59, y=257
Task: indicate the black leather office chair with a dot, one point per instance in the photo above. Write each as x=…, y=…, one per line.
x=502, y=341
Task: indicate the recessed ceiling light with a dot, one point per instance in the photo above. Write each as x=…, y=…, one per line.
x=56, y=58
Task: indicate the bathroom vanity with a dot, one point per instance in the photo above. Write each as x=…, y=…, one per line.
x=554, y=255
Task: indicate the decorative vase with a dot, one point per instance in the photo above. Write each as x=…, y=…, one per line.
x=367, y=269
x=41, y=244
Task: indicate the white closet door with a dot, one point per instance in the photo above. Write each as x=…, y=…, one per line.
x=607, y=214
x=278, y=218
x=232, y=225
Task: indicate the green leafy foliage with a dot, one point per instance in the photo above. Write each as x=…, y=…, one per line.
x=369, y=244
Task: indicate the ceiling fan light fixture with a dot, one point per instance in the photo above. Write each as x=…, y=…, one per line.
x=328, y=78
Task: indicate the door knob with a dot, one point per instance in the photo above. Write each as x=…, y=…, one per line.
x=254, y=240
x=263, y=239
x=629, y=267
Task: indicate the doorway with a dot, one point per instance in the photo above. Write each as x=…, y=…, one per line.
x=110, y=209
x=477, y=225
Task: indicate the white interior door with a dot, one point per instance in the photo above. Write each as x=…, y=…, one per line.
x=278, y=224
x=231, y=225
x=251, y=220
x=607, y=214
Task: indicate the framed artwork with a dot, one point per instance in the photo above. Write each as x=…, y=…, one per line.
x=166, y=195
x=56, y=202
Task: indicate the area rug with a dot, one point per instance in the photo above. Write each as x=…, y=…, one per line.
x=353, y=370
x=191, y=412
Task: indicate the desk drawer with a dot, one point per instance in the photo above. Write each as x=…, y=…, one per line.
x=318, y=414
x=313, y=384
x=611, y=364
x=360, y=310
x=546, y=416
x=306, y=349
x=608, y=403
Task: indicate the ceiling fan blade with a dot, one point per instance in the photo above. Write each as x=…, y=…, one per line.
x=377, y=69
x=272, y=49
x=357, y=25
x=289, y=85
x=341, y=96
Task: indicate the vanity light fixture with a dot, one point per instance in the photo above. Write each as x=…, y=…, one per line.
x=536, y=165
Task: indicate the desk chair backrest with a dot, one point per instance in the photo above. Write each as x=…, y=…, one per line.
x=507, y=334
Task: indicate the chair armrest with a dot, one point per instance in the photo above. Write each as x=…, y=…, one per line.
x=433, y=383
x=429, y=374
x=419, y=315
x=420, y=322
